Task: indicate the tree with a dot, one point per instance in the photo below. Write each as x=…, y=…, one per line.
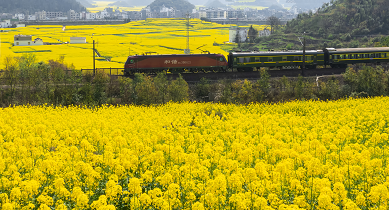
x=252, y=34
x=237, y=38
x=274, y=22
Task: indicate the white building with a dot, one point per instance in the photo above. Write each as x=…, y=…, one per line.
x=31, y=17
x=37, y=41
x=167, y=12
x=240, y=33
x=5, y=24
x=41, y=15
x=90, y=16
x=26, y=40
x=19, y=16
x=104, y=14
x=77, y=40
x=264, y=32
x=73, y=15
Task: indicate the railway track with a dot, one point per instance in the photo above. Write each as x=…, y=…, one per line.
x=241, y=75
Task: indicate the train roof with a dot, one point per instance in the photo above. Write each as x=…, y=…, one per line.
x=357, y=50
x=275, y=53
x=176, y=55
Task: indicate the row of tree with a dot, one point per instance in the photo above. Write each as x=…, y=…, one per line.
x=26, y=81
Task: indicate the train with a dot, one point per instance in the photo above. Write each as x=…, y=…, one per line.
x=249, y=61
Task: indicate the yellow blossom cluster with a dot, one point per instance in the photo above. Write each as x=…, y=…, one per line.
x=295, y=155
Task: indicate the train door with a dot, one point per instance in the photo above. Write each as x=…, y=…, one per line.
x=326, y=57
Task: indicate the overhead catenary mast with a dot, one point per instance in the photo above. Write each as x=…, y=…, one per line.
x=187, y=50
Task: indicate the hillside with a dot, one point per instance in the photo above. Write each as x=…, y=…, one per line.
x=86, y=3
x=181, y=5
x=353, y=17
x=31, y=7
x=215, y=4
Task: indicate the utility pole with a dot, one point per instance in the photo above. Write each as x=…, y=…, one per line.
x=187, y=50
x=303, y=44
x=303, y=55
x=94, y=59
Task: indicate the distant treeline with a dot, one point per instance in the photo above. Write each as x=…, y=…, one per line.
x=26, y=81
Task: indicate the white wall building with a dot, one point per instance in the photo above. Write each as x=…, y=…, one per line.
x=104, y=14
x=31, y=17
x=264, y=32
x=41, y=15
x=22, y=40
x=37, y=41
x=5, y=24
x=77, y=40
x=90, y=16
x=19, y=16
x=240, y=32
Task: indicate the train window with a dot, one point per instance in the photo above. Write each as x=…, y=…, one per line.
x=372, y=56
x=378, y=55
x=355, y=56
x=270, y=59
x=247, y=59
x=296, y=58
x=284, y=58
x=361, y=56
x=257, y=59
x=309, y=58
x=350, y=56
x=367, y=56
x=241, y=60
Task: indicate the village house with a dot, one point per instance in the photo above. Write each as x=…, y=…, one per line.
x=5, y=24
x=238, y=34
x=26, y=40
x=264, y=32
x=77, y=40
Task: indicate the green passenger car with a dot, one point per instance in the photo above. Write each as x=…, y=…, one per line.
x=342, y=57
x=247, y=61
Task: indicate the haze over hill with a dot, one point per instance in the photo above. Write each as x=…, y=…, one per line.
x=13, y=6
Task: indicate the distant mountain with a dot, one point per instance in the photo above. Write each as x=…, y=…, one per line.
x=121, y=4
x=311, y=4
x=259, y=3
x=131, y=3
x=352, y=17
x=24, y=6
x=181, y=5
x=215, y=4
x=86, y=3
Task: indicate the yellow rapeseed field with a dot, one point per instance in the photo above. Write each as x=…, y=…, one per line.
x=296, y=155
x=116, y=42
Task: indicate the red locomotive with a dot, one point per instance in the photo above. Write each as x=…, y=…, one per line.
x=175, y=63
